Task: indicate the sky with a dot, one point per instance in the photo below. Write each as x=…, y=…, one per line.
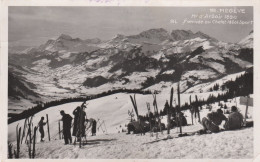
x=32, y=26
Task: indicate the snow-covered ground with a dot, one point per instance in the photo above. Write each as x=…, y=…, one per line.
x=113, y=110
x=230, y=144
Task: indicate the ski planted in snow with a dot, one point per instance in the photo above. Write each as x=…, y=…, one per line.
x=191, y=110
x=169, y=112
x=179, y=108
x=197, y=107
x=156, y=111
x=133, y=99
x=48, y=128
x=34, y=141
x=18, y=138
x=24, y=129
x=149, y=116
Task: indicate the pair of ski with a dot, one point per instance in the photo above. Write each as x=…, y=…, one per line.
x=179, y=118
x=80, y=126
x=149, y=115
x=32, y=138
x=133, y=99
x=18, y=140
x=194, y=109
x=101, y=124
x=157, y=112
x=27, y=123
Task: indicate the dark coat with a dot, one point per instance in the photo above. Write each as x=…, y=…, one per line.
x=78, y=125
x=66, y=119
x=235, y=121
x=41, y=124
x=76, y=117
x=216, y=117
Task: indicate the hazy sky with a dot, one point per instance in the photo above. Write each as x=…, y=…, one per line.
x=32, y=26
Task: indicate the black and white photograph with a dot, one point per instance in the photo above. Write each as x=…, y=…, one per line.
x=130, y=82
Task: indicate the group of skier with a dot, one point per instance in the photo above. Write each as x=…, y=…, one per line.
x=80, y=125
x=212, y=121
x=175, y=119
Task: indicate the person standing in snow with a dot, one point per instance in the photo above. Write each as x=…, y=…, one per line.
x=235, y=120
x=76, y=118
x=66, y=119
x=197, y=112
x=41, y=130
x=94, y=128
x=80, y=131
x=213, y=120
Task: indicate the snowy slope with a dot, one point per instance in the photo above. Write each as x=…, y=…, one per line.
x=113, y=110
x=224, y=145
x=204, y=87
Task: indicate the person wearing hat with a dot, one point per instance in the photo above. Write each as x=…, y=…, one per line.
x=66, y=119
x=235, y=119
x=213, y=120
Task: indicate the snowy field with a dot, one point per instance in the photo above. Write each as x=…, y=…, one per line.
x=228, y=144
x=113, y=110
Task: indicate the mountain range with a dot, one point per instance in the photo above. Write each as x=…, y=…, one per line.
x=153, y=59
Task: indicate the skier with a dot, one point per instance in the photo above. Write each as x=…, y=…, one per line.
x=235, y=119
x=183, y=119
x=66, y=119
x=197, y=112
x=93, y=125
x=80, y=131
x=76, y=118
x=212, y=121
x=41, y=130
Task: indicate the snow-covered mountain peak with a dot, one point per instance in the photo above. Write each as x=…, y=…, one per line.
x=202, y=35
x=118, y=37
x=181, y=34
x=93, y=41
x=188, y=34
x=158, y=33
x=247, y=42
x=64, y=37
x=154, y=32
